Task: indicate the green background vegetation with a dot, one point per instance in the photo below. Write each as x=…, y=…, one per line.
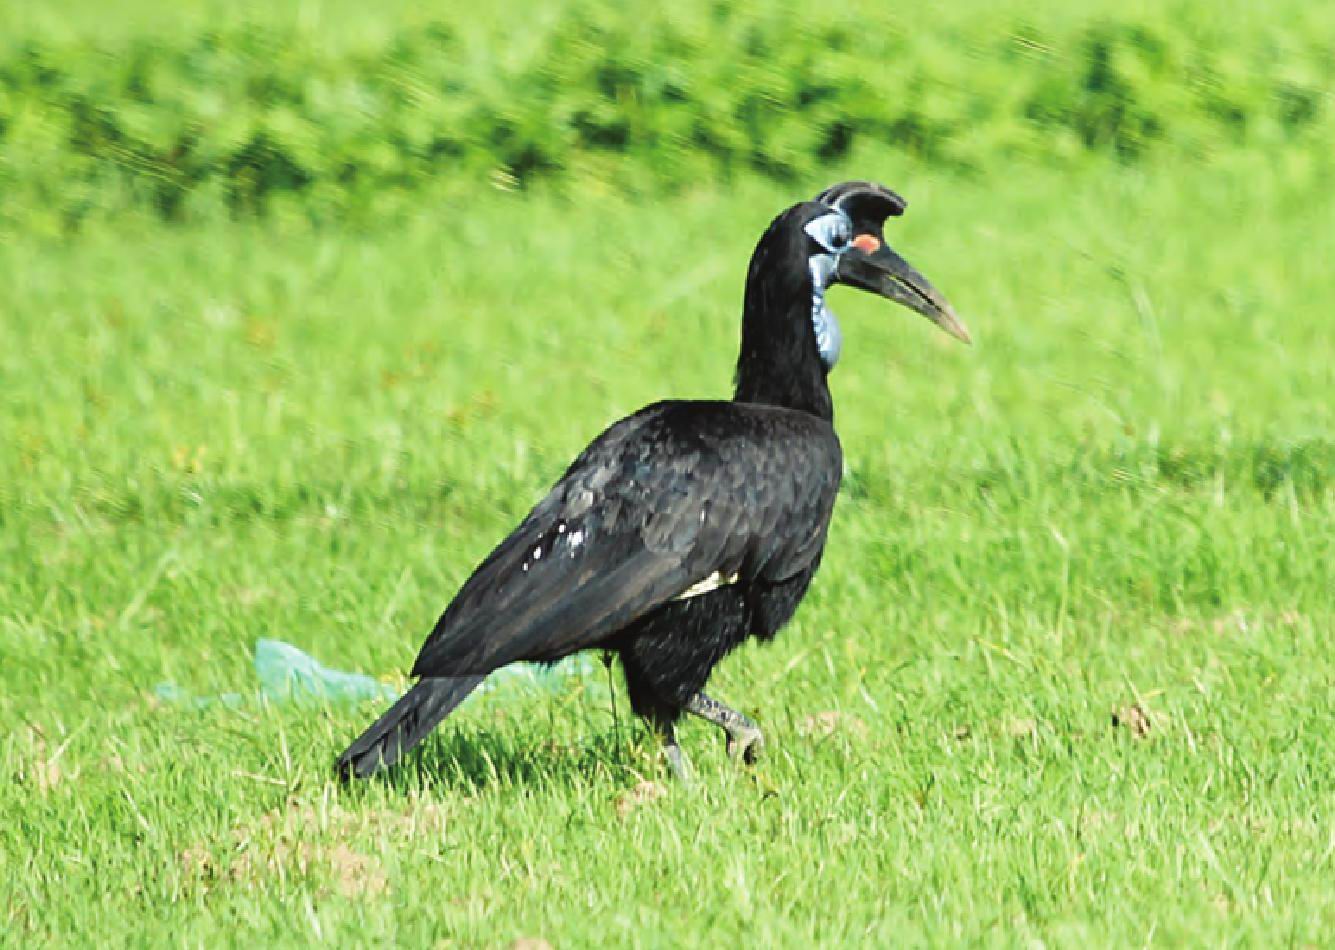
x=304, y=304
x=245, y=116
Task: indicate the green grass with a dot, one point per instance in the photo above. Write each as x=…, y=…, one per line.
x=347, y=23
x=321, y=111
x=1124, y=494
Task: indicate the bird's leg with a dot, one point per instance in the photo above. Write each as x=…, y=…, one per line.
x=744, y=736
x=667, y=734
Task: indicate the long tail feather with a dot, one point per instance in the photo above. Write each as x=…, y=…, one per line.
x=405, y=724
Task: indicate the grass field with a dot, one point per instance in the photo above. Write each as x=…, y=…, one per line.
x=1123, y=496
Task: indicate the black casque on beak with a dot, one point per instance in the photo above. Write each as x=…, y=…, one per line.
x=869, y=263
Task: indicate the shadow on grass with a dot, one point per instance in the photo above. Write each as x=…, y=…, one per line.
x=472, y=761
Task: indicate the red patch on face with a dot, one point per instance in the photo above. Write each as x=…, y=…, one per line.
x=867, y=243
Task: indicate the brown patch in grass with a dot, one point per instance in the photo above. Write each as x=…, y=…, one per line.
x=353, y=873
x=189, y=460
x=247, y=596
x=642, y=794
x=1237, y=621
x=313, y=838
x=824, y=724
x=356, y=875
x=196, y=863
x=40, y=768
x=1021, y=728
x=1134, y=718
x=47, y=774
x=530, y=943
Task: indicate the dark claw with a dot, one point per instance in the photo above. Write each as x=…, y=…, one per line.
x=748, y=743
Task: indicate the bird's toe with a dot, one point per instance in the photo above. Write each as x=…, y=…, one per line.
x=746, y=744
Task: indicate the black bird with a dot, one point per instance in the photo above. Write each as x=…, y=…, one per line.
x=689, y=526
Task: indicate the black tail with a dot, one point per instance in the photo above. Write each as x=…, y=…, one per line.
x=405, y=724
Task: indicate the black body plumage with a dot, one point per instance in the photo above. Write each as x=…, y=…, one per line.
x=678, y=533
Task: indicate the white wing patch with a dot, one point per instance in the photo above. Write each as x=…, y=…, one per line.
x=712, y=582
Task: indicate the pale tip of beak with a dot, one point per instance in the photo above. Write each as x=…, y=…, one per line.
x=954, y=326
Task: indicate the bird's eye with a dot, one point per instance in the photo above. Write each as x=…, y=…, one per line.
x=831, y=231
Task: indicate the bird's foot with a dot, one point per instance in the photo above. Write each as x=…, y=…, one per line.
x=745, y=739
x=676, y=760
x=745, y=743
x=677, y=764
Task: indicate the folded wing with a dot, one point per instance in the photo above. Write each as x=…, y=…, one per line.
x=658, y=503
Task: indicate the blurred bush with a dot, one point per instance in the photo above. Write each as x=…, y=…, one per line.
x=264, y=120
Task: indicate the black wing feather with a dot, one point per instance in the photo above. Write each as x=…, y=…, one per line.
x=657, y=503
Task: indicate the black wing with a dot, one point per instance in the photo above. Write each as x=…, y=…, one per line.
x=656, y=504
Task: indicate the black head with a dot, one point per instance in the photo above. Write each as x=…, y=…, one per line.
x=790, y=338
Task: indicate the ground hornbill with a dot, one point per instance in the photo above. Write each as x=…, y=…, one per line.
x=688, y=526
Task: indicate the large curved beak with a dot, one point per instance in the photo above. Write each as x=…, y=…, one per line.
x=882, y=271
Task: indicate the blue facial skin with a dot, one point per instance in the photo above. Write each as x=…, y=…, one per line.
x=832, y=232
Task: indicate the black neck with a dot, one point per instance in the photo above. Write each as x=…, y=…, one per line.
x=779, y=363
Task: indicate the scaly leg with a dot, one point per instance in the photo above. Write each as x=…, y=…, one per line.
x=671, y=751
x=744, y=736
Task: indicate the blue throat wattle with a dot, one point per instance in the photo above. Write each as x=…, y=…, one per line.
x=829, y=338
